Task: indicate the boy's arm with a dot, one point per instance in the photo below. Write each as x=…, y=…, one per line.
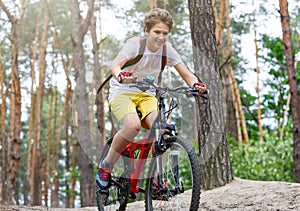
x=118, y=73
x=116, y=65
x=189, y=78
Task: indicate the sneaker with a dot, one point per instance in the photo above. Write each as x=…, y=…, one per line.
x=103, y=177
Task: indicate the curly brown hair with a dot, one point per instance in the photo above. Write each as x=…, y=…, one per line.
x=156, y=16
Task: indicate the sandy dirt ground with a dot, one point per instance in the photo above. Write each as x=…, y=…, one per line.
x=239, y=195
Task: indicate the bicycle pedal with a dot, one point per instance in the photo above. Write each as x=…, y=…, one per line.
x=104, y=192
x=142, y=190
x=132, y=196
x=160, y=197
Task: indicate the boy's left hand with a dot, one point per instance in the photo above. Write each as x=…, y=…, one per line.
x=201, y=87
x=126, y=77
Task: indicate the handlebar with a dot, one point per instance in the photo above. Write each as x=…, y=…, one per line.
x=148, y=82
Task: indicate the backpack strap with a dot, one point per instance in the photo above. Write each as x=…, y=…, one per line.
x=163, y=62
x=130, y=62
x=137, y=58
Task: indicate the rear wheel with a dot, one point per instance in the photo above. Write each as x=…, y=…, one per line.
x=115, y=198
x=181, y=179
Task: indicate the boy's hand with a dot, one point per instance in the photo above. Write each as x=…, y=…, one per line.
x=126, y=77
x=201, y=87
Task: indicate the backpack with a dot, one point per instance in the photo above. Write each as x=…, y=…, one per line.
x=137, y=58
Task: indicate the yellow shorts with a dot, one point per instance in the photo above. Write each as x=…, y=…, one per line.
x=128, y=103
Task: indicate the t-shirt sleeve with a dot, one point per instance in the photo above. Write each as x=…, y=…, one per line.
x=129, y=50
x=173, y=56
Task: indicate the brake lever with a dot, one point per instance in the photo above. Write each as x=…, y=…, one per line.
x=203, y=96
x=194, y=92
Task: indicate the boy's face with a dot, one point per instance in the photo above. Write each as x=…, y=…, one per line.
x=157, y=36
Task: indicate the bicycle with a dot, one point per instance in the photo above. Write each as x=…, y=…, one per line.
x=173, y=181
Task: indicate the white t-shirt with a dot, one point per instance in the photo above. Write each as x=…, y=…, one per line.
x=149, y=64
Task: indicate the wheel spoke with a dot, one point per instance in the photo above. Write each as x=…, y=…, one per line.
x=180, y=175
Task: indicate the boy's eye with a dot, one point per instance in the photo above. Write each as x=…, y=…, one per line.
x=159, y=33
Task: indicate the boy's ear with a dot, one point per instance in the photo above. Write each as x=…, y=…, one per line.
x=146, y=30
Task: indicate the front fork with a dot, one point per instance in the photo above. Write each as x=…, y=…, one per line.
x=161, y=145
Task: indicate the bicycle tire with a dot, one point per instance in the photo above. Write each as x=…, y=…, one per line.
x=114, y=198
x=187, y=169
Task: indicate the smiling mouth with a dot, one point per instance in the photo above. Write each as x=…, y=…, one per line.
x=159, y=42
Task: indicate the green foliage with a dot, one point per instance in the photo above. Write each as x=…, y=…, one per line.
x=270, y=160
x=66, y=177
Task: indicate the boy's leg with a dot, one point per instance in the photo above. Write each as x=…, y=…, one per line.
x=131, y=127
x=148, y=121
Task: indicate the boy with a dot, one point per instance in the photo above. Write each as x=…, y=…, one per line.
x=125, y=100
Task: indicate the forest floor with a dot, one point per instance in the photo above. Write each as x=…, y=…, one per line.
x=239, y=195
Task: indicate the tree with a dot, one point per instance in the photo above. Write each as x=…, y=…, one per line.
x=295, y=96
x=2, y=119
x=79, y=30
x=14, y=142
x=276, y=103
x=31, y=150
x=259, y=124
x=235, y=118
x=98, y=74
x=214, y=158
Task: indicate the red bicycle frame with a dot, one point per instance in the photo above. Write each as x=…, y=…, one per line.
x=144, y=145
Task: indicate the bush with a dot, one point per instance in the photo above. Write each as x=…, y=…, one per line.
x=270, y=160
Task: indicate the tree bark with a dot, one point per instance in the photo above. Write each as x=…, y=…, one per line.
x=39, y=103
x=3, y=133
x=54, y=191
x=79, y=30
x=295, y=96
x=73, y=167
x=14, y=141
x=259, y=124
x=49, y=130
x=240, y=116
x=153, y=4
x=216, y=167
x=29, y=187
x=98, y=77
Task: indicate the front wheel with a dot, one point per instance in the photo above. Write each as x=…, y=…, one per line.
x=180, y=188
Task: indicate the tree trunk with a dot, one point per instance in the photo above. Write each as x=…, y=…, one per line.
x=240, y=117
x=219, y=18
x=79, y=30
x=48, y=163
x=224, y=50
x=216, y=167
x=14, y=141
x=295, y=96
x=39, y=103
x=28, y=185
x=259, y=124
x=3, y=133
x=153, y=4
x=73, y=167
x=67, y=138
x=54, y=170
x=98, y=77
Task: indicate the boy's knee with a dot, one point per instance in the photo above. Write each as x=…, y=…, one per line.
x=134, y=127
x=130, y=131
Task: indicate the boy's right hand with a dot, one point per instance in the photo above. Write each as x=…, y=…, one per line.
x=201, y=87
x=126, y=77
